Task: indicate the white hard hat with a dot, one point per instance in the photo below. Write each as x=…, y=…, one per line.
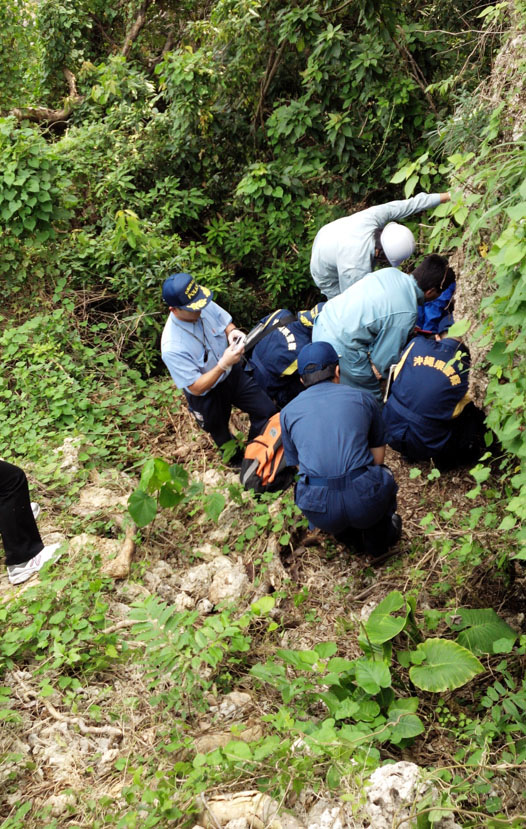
x=398, y=243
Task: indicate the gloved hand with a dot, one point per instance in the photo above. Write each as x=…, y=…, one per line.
x=236, y=337
x=230, y=356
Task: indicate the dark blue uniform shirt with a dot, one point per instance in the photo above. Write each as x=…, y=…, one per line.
x=430, y=313
x=327, y=430
x=429, y=389
x=274, y=359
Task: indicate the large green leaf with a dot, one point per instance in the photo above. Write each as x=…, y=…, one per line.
x=371, y=676
x=168, y=497
x=403, y=720
x=142, y=507
x=381, y=625
x=302, y=660
x=326, y=649
x=213, y=505
x=479, y=628
x=179, y=475
x=445, y=666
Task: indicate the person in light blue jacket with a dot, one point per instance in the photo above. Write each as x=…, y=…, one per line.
x=344, y=251
x=370, y=322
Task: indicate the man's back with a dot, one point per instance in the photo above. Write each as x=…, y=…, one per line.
x=374, y=315
x=328, y=428
x=429, y=389
x=274, y=358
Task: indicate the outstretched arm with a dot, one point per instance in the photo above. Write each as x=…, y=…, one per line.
x=394, y=210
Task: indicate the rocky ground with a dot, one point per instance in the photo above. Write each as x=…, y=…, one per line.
x=67, y=753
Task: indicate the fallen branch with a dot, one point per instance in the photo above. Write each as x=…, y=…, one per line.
x=46, y=115
x=124, y=623
x=119, y=567
x=106, y=730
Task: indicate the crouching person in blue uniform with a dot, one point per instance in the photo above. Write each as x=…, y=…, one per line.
x=429, y=413
x=202, y=349
x=274, y=358
x=335, y=435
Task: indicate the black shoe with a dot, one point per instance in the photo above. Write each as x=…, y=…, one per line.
x=396, y=529
x=351, y=538
x=235, y=461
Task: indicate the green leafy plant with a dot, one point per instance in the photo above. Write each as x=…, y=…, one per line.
x=169, y=482
x=55, y=384
x=59, y=624
x=443, y=665
x=186, y=655
x=482, y=630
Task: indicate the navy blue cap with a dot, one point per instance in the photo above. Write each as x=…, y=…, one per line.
x=181, y=290
x=315, y=357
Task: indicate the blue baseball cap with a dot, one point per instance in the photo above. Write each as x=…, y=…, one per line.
x=181, y=290
x=316, y=357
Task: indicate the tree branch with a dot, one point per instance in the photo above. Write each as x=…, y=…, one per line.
x=413, y=69
x=52, y=116
x=103, y=31
x=169, y=42
x=135, y=28
x=272, y=67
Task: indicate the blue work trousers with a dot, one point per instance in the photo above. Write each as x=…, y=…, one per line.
x=360, y=514
x=212, y=411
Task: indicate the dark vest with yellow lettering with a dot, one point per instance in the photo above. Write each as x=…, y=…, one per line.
x=274, y=359
x=429, y=389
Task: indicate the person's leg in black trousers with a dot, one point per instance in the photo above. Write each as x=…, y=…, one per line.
x=376, y=540
x=212, y=412
x=466, y=444
x=25, y=552
x=18, y=528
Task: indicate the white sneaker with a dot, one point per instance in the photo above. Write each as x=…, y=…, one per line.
x=35, y=509
x=17, y=573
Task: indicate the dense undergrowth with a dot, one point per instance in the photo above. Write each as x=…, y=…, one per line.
x=218, y=141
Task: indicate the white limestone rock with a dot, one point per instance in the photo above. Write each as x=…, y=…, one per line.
x=196, y=581
x=326, y=814
x=394, y=792
x=229, y=582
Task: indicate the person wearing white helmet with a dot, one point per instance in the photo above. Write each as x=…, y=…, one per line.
x=346, y=250
x=370, y=322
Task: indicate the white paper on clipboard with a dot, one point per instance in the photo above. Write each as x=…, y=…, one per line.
x=390, y=378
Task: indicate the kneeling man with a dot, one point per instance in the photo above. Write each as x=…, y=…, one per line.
x=429, y=412
x=202, y=349
x=335, y=435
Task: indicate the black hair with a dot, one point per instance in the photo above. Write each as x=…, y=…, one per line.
x=434, y=272
x=310, y=378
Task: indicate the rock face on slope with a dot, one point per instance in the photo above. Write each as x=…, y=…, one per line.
x=506, y=86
